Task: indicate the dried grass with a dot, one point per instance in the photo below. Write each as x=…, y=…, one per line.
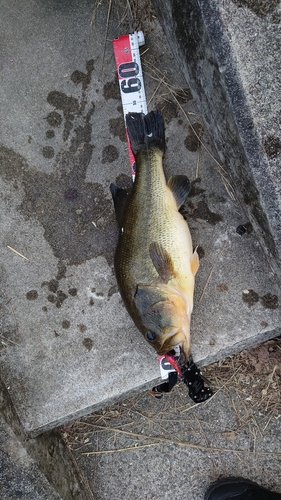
x=136, y=15
x=254, y=378
x=142, y=421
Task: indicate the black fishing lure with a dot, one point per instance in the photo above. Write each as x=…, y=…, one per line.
x=191, y=376
x=195, y=382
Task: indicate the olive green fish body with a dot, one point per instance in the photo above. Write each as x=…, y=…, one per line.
x=154, y=261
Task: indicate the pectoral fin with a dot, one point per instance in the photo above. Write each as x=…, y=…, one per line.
x=119, y=196
x=180, y=187
x=162, y=261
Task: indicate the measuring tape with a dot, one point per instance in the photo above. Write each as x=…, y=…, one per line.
x=131, y=84
x=165, y=366
x=129, y=71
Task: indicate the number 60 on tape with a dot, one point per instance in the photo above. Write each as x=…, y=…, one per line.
x=130, y=77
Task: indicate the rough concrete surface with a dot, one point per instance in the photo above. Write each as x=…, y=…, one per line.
x=48, y=451
x=20, y=477
x=69, y=346
x=144, y=448
x=230, y=55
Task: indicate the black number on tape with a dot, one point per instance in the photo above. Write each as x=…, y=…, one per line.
x=128, y=69
x=165, y=364
x=131, y=85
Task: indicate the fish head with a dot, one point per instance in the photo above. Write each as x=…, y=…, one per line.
x=164, y=317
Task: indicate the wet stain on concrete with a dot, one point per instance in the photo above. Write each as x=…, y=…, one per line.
x=111, y=90
x=250, y=297
x=61, y=270
x=68, y=105
x=216, y=198
x=50, y=134
x=52, y=285
x=84, y=78
x=88, y=343
x=65, y=204
x=269, y=301
x=117, y=129
x=54, y=119
x=65, y=324
x=195, y=188
x=62, y=201
x=32, y=295
x=202, y=211
x=67, y=222
x=222, y=287
x=198, y=209
x=12, y=166
x=124, y=181
x=169, y=110
x=192, y=141
x=57, y=299
x=259, y=7
x=82, y=328
x=110, y=153
x=48, y=152
x=272, y=146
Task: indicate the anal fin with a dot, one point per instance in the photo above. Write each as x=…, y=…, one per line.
x=194, y=262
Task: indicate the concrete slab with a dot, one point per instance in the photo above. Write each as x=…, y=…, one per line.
x=69, y=346
x=19, y=475
x=170, y=448
x=230, y=55
x=47, y=453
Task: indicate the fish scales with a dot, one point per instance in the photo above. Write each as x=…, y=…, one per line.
x=154, y=261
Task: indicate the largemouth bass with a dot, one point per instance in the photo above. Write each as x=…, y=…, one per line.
x=155, y=264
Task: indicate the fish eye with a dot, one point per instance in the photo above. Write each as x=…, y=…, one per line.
x=150, y=336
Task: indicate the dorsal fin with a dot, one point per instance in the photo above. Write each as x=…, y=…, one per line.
x=180, y=187
x=162, y=261
x=119, y=196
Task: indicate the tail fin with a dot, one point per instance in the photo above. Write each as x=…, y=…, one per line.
x=146, y=131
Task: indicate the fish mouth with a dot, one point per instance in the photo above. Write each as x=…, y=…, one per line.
x=173, y=340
